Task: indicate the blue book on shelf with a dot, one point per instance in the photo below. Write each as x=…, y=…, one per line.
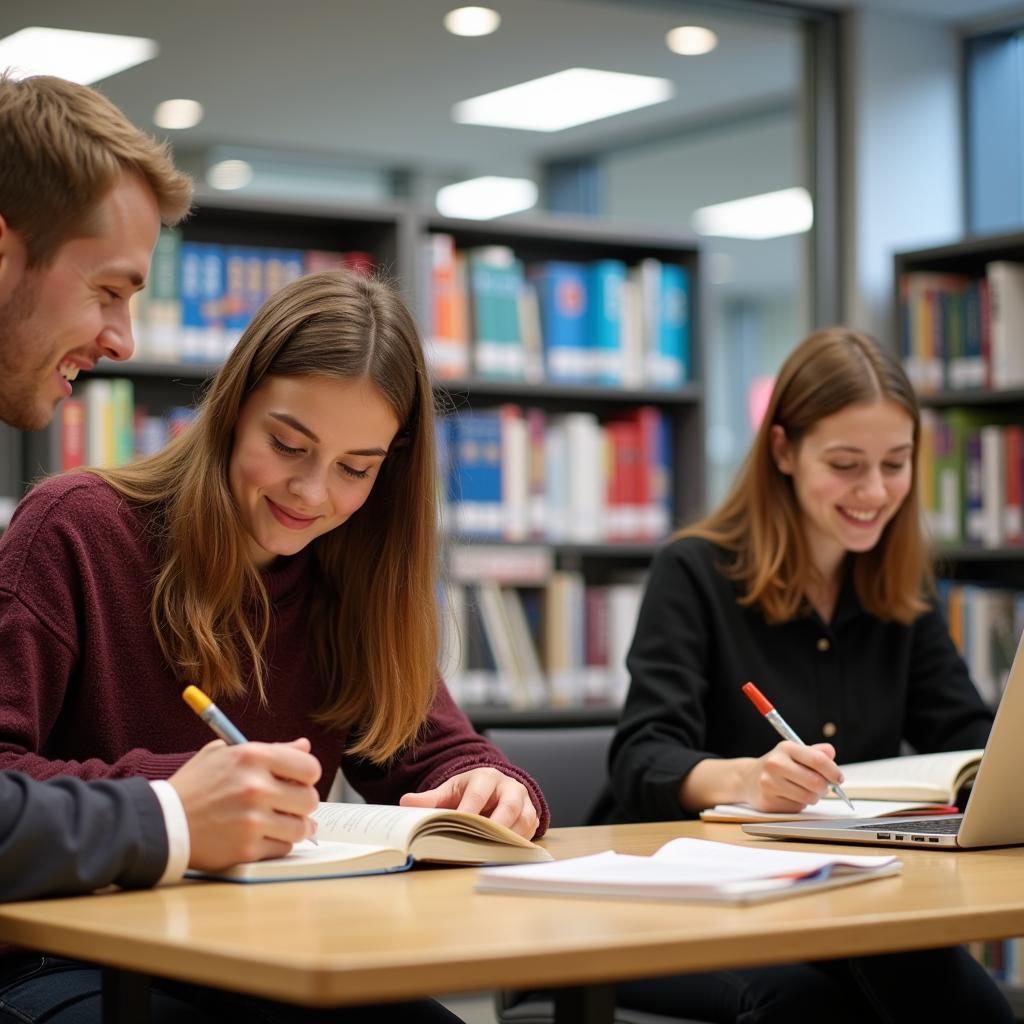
x=562, y=290
x=193, y=324
x=673, y=341
x=475, y=481
x=606, y=285
x=495, y=281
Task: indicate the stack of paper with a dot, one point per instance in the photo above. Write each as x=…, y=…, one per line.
x=691, y=869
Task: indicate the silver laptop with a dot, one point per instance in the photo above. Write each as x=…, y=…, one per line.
x=994, y=815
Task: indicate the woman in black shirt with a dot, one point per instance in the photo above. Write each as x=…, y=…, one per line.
x=813, y=580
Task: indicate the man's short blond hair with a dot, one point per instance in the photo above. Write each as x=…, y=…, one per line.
x=63, y=147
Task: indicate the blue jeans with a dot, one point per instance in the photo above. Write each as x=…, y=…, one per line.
x=929, y=984
x=36, y=989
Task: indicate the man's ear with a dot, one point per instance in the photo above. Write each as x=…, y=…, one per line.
x=782, y=451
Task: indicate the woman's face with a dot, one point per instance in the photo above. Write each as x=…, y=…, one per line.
x=850, y=474
x=306, y=453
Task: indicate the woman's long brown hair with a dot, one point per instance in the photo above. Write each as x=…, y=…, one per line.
x=759, y=521
x=373, y=626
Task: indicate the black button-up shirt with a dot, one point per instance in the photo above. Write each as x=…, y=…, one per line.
x=863, y=684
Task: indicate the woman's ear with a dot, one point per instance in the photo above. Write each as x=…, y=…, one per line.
x=782, y=451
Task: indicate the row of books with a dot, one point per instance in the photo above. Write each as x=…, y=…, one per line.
x=102, y=426
x=961, y=331
x=985, y=623
x=971, y=468
x=522, y=473
x=485, y=313
x=1002, y=958
x=561, y=643
x=201, y=296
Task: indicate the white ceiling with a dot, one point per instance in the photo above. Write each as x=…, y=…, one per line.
x=376, y=78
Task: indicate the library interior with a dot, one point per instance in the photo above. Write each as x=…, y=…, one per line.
x=612, y=221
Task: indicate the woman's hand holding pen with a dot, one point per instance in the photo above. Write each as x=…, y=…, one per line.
x=790, y=776
x=247, y=802
x=485, y=791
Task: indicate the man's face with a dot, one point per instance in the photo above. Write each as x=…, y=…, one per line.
x=61, y=318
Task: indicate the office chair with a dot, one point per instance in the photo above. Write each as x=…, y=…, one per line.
x=570, y=766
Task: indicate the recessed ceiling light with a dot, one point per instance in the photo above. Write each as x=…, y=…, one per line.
x=770, y=215
x=472, y=21
x=178, y=114
x=563, y=100
x=691, y=40
x=83, y=57
x=486, y=197
x=229, y=174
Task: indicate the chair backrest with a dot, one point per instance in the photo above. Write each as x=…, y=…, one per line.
x=569, y=765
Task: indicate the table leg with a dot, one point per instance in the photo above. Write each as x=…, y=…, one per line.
x=590, y=1004
x=125, y=997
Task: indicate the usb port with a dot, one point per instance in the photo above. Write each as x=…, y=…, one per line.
x=933, y=839
x=899, y=839
x=883, y=835
x=918, y=839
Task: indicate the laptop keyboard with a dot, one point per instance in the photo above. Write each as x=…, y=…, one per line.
x=944, y=827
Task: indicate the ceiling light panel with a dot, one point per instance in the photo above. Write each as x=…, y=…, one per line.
x=563, y=100
x=83, y=57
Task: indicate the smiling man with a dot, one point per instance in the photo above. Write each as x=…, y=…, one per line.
x=82, y=196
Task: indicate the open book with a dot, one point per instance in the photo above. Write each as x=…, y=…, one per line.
x=937, y=777
x=361, y=839
x=690, y=869
x=915, y=784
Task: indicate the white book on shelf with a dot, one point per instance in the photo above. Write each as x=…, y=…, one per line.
x=1006, y=298
x=531, y=673
x=515, y=473
x=993, y=484
x=586, y=485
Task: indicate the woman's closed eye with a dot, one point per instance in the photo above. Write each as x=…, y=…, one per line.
x=278, y=445
x=351, y=471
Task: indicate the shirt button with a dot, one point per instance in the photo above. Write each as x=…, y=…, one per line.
x=829, y=729
x=823, y=644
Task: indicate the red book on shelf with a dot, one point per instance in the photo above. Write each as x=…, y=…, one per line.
x=72, y=434
x=1013, y=502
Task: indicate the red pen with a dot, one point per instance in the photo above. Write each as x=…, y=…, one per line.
x=783, y=728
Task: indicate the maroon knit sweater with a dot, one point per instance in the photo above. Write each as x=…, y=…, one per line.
x=85, y=690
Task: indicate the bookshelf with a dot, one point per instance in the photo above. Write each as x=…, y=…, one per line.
x=659, y=401
x=959, y=321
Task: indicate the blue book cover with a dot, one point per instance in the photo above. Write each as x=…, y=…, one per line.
x=475, y=479
x=191, y=292
x=674, y=326
x=495, y=281
x=212, y=288
x=562, y=290
x=606, y=284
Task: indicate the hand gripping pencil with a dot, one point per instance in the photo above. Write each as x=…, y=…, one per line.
x=783, y=728
x=217, y=721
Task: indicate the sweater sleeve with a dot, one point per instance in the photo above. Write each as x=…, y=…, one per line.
x=66, y=837
x=945, y=711
x=448, y=745
x=49, y=561
x=662, y=730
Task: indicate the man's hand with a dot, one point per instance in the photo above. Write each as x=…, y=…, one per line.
x=247, y=802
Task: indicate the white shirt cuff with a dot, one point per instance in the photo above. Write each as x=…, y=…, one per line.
x=178, y=845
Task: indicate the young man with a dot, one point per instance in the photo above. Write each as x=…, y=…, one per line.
x=82, y=196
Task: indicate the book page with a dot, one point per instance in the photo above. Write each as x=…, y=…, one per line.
x=378, y=824
x=910, y=776
x=825, y=809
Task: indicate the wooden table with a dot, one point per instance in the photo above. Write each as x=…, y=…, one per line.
x=363, y=940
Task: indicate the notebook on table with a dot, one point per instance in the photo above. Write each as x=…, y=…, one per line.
x=992, y=816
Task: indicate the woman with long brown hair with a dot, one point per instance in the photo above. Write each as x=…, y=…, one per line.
x=813, y=580
x=281, y=553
